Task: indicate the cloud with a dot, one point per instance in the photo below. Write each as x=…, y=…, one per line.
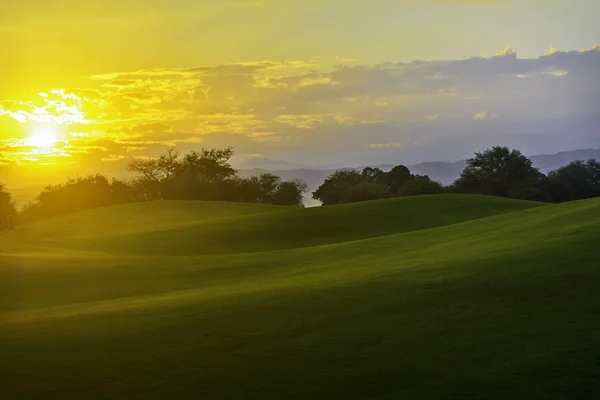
x=484, y=115
x=507, y=52
x=595, y=47
x=557, y=73
x=378, y=146
x=297, y=109
x=552, y=51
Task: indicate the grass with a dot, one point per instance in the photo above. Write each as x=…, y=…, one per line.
x=417, y=298
x=196, y=228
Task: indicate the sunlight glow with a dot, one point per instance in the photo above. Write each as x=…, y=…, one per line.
x=43, y=138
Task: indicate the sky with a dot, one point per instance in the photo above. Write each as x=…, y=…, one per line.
x=86, y=86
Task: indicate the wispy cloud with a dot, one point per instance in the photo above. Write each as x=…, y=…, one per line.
x=378, y=146
x=296, y=108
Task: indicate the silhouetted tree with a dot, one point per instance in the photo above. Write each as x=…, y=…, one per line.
x=349, y=185
x=498, y=171
x=168, y=163
x=290, y=193
x=337, y=187
x=7, y=207
x=268, y=185
x=375, y=175
x=575, y=181
x=419, y=185
x=207, y=165
x=397, y=177
x=77, y=194
x=365, y=191
x=148, y=168
x=245, y=190
x=198, y=175
x=208, y=175
x=147, y=186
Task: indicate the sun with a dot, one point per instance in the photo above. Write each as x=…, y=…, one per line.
x=43, y=138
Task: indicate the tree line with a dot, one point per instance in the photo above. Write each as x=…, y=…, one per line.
x=198, y=175
x=498, y=171
x=208, y=175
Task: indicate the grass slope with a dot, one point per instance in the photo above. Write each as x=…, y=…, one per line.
x=180, y=228
x=505, y=306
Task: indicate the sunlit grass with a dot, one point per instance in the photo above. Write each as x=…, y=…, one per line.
x=498, y=299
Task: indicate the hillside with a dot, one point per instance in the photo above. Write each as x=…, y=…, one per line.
x=194, y=228
x=497, y=299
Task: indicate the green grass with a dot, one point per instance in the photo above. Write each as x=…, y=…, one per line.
x=195, y=228
x=435, y=297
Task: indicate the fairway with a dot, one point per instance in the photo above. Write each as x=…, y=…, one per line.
x=425, y=297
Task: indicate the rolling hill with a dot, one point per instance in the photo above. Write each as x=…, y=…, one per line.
x=425, y=297
x=196, y=228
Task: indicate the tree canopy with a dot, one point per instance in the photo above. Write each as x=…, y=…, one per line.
x=207, y=175
x=197, y=175
x=498, y=171
x=77, y=194
x=351, y=185
x=7, y=207
x=577, y=180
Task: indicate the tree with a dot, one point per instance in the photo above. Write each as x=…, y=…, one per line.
x=268, y=185
x=349, y=185
x=375, y=175
x=207, y=165
x=498, y=171
x=147, y=186
x=290, y=193
x=265, y=189
x=77, y=194
x=208, y=175
x=201, y=175
x=149, y=169
x=419, y=185
x=397, y=177
x=365, y=191
x=7, y=207
x=337, y=187
x=168, y=163
x=197, y=175
x=575, y=181
x=245, y=190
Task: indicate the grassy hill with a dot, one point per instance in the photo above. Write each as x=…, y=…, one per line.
x=425, y=297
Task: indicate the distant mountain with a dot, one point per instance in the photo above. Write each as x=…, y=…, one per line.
x=265, y=163
x=548, y=162
x=443, y=172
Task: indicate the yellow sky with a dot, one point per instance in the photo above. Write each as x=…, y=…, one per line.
x=101, y=81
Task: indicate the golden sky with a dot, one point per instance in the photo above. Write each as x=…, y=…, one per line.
x=91, y=84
